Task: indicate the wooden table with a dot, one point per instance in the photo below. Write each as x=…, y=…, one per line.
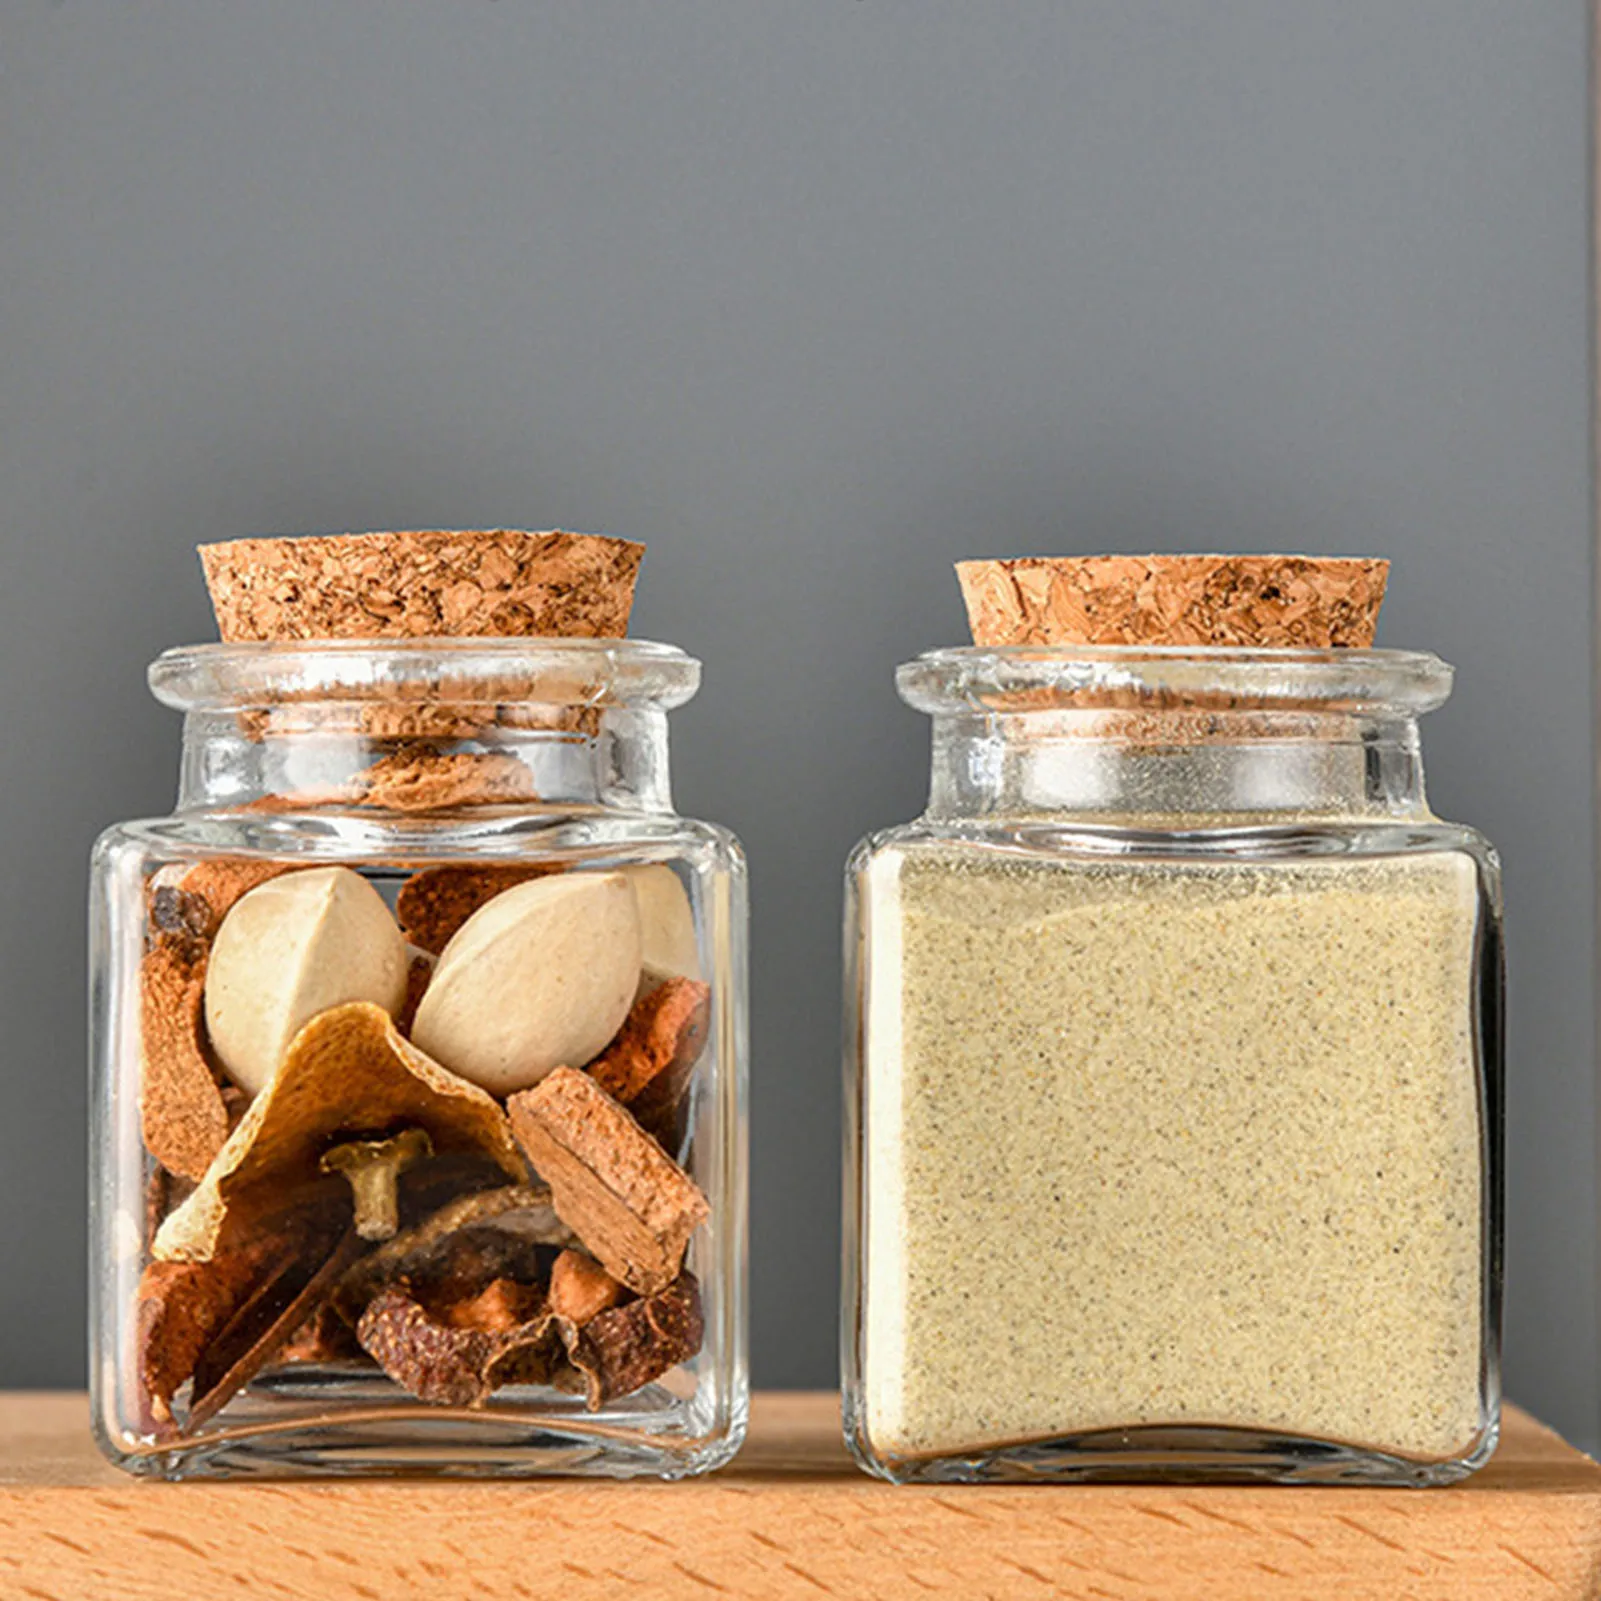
x=791, y=1518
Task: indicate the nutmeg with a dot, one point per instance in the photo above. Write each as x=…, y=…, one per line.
x=668, y=947
x=540, y=977
x=291, y=948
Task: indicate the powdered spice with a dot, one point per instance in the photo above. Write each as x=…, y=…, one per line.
x=1171, y=1142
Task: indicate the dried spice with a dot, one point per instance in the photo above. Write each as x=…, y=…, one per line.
x=622, y=1350
x=648, y=1066
x=325, y=1336
x=423, y=779
x=181, y=1109
x=418, y=975
x=347, y=1071
x=431, y=1251
x=259, y=1328
x=580, y=1288
x=457, y=1355
x=182, y=1306
x=439, y=584
x=633, y=1207
x=373, y=1169
x=434, y=903
x=183, y=1115
x=1174, y=600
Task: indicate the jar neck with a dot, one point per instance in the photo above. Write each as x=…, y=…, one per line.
x=1163, y=768
x=331, y=757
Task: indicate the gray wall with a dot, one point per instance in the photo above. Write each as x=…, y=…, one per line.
x=814, y=298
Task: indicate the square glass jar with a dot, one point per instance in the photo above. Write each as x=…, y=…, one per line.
x=1174, y=1080
x=253, y=1309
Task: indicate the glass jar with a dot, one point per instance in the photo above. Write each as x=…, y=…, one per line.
x=423, y=937
x=1174, y=1060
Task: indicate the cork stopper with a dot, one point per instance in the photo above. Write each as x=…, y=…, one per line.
x=1309, y=602
x=437, y=583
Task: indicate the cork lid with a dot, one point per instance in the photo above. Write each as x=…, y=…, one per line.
x=423, y=583
x=1300, y=602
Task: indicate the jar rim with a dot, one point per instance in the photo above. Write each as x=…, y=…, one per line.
x=998, y=679
x=534, y=669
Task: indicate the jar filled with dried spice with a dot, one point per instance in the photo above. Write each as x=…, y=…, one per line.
x=1174, y=1136
x=419, y=1035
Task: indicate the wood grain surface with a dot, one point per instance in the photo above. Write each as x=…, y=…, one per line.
x=791, y=1517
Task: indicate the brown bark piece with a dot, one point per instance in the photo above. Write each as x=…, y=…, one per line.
x=425, y=583
x=260, y=1327
x=631, y=1205
x=348, y=1071
x=181, y=1109
x=580, y=1288
x=624, y=1349
x=1253, y=601
x=183, y=1113
x=647, y=1067
x=434, y=903
x=423, y=779
x=451, y=1364
x=182, y=1306
x=418, y=975
x=324, y=1337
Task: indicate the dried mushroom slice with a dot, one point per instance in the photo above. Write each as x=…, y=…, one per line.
x=434, y=903
x=373, y=1168
x=347, y=1071
x=521, y=1211
x=458, y=1355
x=623, y=1349
x=631, y=1205
x=647, y=1067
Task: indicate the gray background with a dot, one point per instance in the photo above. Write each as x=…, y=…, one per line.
x=815, y=298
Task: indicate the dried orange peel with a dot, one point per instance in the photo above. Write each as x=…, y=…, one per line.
x=348, y=1072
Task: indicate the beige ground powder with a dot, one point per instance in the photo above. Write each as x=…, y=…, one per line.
x=1156, y=1143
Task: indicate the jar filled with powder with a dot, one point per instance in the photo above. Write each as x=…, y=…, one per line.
x=1173, y=1145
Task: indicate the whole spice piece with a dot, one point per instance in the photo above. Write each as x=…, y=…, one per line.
x=669, y=948
x=1174, y=600
x=540, y=976
x=424, y=1254
x=181, y=1108
x=264, y=1324
x=624, y=1349
x=580, y=1288
x=633, y=1207
x=183, y=1115
x=182, y=1306
x=433, y=904
x=291, y=948
x=347, y=1070
x=456, y=1356
x=647, y=1067
x=373, y=1168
